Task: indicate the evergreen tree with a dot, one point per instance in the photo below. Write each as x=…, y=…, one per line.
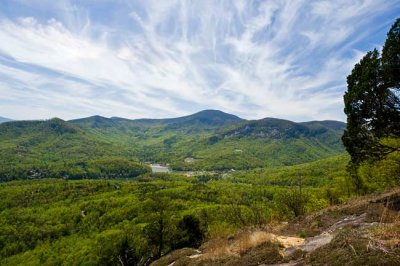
x=391, y=69
x=189, y=233
x=372, y=101
x=391, y=57
x=372, y=105
x=363, y=106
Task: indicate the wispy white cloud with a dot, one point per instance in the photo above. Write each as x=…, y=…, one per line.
x=285, y=59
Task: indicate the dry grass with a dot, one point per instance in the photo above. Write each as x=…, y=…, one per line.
x=386, y=237
x=373, y=241
x=376, y=242
x=173, y=256
x=374, y=205
x=216, y=249
x=249, y=247
x=236, y=246
x=243, y=242
x=248, y=240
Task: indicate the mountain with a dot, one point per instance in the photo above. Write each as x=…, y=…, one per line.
x=211, y=139
x=279, y=128
x=269, y=128
x=4, y=119
x=94, y=122
x=54, y=140
x=332, y=124
x=35, y=129
x=207, y=118
x=264, y=143
x=202, y=121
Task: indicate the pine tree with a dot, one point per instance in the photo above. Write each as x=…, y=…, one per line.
x=372, y=105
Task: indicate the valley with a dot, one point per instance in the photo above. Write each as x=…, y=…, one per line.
x=83, y=181
x=98, y=191
x=55, y=221
x=206, y=141
x=106, y=180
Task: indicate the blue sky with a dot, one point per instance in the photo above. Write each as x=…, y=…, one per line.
x=153, y=58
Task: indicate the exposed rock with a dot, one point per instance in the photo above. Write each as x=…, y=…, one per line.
x=341, y=234
x=350, y=220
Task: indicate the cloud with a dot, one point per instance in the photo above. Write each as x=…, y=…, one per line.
x=286, y=59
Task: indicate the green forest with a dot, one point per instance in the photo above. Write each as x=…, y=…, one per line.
x=96, y=222
x=81, y=192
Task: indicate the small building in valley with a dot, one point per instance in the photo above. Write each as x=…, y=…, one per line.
x=190, y=160
x=160, y=168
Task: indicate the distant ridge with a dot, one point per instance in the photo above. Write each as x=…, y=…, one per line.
x=4, y=119
x=210, y=115
x=274, y=128
x=215, y=140
x=203, y=120
x=214, y=117
x=95, y=121
x=215, y=120
x=332, y=124
x=206, y=117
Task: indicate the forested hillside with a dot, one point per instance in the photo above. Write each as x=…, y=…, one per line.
x=240, y=192
x=213, y=140
x=53, y=221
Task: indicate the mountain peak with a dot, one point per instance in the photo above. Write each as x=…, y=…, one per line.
x=206, y=119
x=213, y=114
x=203, y=120
x=59, y=126
x=95, y=121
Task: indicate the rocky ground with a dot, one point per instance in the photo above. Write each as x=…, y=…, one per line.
x=364, y=231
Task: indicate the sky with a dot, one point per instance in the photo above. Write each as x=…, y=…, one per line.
x=168, y=58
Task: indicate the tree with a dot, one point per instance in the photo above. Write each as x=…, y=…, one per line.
x=372, y=104
x=189, y=233
x=294, y=200
x=113, y=248
x=159, y=229
x=391, y=56
x=364, y=101
x=391, y=73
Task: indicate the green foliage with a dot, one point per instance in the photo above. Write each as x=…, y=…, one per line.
x=391, y=55
x=362, y=103
x=294, y=200
x=372, y=106
x=372, y=102
x=189, y=233
x=129, y=216
x=378, y=175
x=103, y=222
x=332, y=196
x=111, y=167
x=246, y=173
x=216, y=141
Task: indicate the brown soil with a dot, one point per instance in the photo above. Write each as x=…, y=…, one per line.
x=364, y=231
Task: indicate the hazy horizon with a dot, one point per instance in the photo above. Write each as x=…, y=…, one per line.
x=171, y=117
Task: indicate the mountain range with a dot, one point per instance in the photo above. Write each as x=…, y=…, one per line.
x=207, y=140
